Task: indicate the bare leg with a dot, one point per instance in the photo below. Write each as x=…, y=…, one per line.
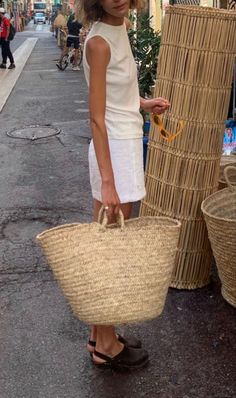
x=107, y=343
x=76, y=56
x=103, y=335
x=63, y=53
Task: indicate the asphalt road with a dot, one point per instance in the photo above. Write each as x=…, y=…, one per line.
x=43, y=183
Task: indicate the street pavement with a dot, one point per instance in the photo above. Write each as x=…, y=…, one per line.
x=43, y=183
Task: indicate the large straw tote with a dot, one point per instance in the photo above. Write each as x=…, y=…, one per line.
x=219, y=212
x=113, y=274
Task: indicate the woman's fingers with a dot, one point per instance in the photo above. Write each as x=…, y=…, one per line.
x=161, y=106
x=160, y=110
x=110, y=200
x=161, y=102
x=112, y=211
x=164, y=101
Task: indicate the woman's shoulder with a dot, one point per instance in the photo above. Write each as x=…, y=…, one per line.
x=97, y=50
x=96, y=37
x=95, y=28
x=97, y=43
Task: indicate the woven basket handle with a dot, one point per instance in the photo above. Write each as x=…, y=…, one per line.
x=103, y=219
x=227, y=177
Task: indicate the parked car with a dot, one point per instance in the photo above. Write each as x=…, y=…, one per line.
x=39, y=17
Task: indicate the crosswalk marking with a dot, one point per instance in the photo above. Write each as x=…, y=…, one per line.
x=8, y=78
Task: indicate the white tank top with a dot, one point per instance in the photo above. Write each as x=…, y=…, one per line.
x=122, y=118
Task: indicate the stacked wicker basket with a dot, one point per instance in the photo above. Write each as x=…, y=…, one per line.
x=227, y=160
x=219, y=211
x=195, y=75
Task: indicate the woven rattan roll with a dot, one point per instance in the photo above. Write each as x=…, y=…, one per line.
x=219, y=212
x=195, y=70
x=114, y=275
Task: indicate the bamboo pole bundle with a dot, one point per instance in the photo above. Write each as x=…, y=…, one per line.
x=195, y=74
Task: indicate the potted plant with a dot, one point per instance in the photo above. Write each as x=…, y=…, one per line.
x=145, y=45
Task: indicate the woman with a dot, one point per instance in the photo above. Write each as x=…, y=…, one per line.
x=73, y=40
x=116, y=151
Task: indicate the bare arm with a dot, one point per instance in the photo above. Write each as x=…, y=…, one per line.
x=98, y=57
x=155, y=105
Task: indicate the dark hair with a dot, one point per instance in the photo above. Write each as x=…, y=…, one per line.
x=93, y=11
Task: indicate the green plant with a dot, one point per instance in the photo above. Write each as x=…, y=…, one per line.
x=145, y=45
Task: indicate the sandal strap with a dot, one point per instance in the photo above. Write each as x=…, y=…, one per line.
x=133, y=342
x=92, y=343
x=102, y=356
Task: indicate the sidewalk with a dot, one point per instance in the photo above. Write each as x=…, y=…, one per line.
x=43, y=183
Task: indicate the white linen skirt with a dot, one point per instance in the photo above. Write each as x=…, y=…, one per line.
x=127, y=165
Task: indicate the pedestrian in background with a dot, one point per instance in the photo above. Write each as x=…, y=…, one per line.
x=59, y=23
x=51, y=21
x=116, y=150
x=74, y=26
x=4, y=41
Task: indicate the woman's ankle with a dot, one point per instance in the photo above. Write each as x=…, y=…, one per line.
x=93, y=333
x=109, y=348
x=106, y=340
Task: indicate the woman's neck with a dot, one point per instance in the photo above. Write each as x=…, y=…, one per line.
x=111, y=20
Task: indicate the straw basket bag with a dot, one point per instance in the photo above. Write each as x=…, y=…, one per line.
x=219, y=212
x=113, y=274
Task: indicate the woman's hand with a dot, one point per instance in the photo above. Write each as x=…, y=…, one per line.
x=110, y=199
x=155, y=105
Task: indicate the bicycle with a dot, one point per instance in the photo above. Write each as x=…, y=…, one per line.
x=68, y=59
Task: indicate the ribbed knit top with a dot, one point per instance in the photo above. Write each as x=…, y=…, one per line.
x=122, y=118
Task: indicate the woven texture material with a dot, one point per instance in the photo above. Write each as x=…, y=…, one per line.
x=114, y=276
x=227, y=160
x=219, y=212
x=195, y=69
